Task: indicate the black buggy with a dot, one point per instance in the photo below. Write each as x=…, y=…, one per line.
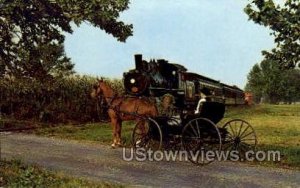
x=195, y=133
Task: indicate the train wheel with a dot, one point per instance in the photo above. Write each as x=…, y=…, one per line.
x=147, y=135
x=201, y=136
x=240, y=136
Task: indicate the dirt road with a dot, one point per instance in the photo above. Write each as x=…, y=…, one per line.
x=98, y=162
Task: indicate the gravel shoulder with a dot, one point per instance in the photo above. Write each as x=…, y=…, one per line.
x=99, y=162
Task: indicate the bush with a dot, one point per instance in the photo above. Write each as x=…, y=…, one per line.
x=56, y=101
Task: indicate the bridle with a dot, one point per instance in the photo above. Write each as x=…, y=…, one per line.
x=101, y=97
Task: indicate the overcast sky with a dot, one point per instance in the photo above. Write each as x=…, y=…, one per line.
x=209, y=37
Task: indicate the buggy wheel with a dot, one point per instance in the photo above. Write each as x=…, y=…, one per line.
x=200, y=136
x=240, y=136
x=147, y=135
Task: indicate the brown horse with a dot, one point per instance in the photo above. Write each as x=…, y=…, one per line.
x=122, y=108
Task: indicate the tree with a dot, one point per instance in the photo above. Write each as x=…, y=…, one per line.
x=268, y=81
x=273, y=82
x=291, y=85
x=255, y=83
x=43, y=62
x=284, y=21
x=31, y=31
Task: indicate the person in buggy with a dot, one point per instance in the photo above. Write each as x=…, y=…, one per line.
x=205, y=95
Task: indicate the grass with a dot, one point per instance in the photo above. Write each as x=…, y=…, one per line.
x=277, y=128
x=15, y=174
x=101, y=133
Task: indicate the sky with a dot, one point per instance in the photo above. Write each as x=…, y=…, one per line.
x=213, y=38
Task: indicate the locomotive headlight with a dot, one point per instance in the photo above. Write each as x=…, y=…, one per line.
x=132, y=80
x=174, y=73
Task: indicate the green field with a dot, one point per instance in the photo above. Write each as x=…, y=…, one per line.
x=277, y=128
x=16, y=174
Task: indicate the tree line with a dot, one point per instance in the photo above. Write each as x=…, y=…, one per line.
x=269, y=83
x=277, y=78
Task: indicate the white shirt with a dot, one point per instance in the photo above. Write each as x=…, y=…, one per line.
x=199, y=104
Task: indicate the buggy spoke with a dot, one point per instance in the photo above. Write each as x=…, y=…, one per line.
x=240, y=128
x=248, y=147
x=244, y=139
x=247, y=135
x=244, y=131
x=190, y=133
x=194, y=131
x=227, y=146
x=229, y=136
x=198, y=128
x=233, y=132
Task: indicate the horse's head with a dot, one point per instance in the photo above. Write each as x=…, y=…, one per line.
x=97, y=89
x=101, y=89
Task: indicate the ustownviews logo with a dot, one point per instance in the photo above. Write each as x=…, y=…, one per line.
x=142, y=154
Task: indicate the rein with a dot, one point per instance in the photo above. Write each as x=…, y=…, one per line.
x=109, y=102
x=117, y=107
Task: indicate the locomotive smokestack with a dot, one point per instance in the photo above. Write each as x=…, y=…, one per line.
x=138, y=61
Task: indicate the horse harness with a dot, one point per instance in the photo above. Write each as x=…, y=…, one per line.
x=117, y=108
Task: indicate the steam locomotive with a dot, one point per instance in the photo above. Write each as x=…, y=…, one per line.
x=159, y=77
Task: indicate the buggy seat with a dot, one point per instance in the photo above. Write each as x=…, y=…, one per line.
x=213, y=111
